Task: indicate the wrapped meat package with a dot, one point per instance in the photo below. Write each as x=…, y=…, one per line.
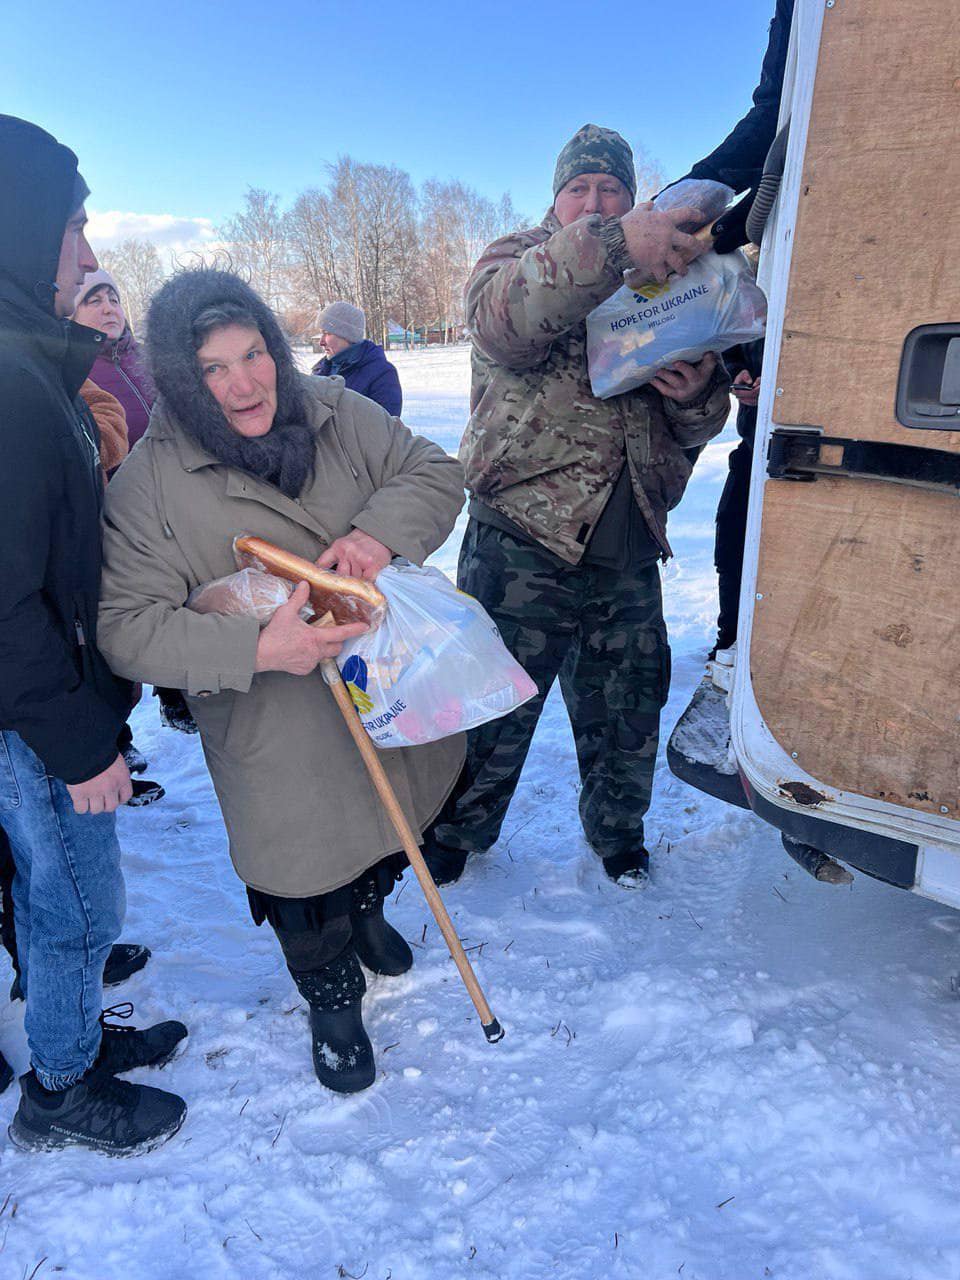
x=435, y=666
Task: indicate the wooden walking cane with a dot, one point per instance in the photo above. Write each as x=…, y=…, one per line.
x=331, y=674
x=326, y=593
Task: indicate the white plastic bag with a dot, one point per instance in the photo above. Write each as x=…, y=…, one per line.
x=436, y=665
x=637, y=332
x=709, y=198
x=715, y=306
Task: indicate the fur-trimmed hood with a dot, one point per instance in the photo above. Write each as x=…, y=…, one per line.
x=285, y=454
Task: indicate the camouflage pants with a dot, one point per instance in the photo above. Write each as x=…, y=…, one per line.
x=601, y=631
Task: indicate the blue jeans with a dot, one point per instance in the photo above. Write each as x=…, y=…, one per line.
x=68, y=904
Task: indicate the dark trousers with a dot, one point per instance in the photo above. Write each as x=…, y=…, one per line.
x=601, y=632
x=730, y=538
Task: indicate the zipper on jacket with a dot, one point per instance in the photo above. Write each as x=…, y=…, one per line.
x=346, y=456
x=131, y=384
x=78, y=628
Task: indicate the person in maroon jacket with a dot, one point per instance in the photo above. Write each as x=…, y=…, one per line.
x=119, y=368
x=122, y=370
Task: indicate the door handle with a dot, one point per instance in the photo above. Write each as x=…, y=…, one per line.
x=928, y=388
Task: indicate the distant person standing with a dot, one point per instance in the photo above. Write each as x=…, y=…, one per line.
x=361, y=363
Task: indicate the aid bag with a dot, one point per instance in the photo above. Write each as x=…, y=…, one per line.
x=637, y=332
x=436, y=664
x=715, y=306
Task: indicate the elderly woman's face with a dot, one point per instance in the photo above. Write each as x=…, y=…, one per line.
x=242, y=376
x=101, y=310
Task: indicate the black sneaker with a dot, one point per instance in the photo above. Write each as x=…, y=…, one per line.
x=342, y=1052
x=378, y=944
x=6, y=1073
x=629, y=870
x=174, y=712
x=99, y=1111
x=124, y=1048
x=125, y=958
x=135, y=760
x=145, y=792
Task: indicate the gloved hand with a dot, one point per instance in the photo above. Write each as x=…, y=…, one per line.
x=730, y=229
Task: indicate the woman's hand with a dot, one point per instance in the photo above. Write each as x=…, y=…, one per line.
x=357, y=555
x=683, y=382
x=287, y=643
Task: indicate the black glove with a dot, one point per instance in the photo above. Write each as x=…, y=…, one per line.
x=730, y=229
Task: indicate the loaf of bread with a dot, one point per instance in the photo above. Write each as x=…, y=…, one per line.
x=347, y=599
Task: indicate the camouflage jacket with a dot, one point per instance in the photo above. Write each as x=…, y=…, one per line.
x=540, y=448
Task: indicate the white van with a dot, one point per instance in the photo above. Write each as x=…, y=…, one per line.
x=837, y=716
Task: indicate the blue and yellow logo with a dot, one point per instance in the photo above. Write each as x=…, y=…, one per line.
x=647, y=292
x=354, y=672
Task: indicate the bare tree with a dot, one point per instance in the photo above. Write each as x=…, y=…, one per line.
x=256, y=239
x=135, y=265
x=457, y=223
x=315, y=267
x=650, y=175
x=369, y=239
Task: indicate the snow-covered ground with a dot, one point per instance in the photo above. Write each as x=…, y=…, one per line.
x=738, y=1074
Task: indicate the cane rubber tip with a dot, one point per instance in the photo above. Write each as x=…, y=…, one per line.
x=493, y=1031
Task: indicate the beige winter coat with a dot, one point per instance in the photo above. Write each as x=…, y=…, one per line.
x=301, y=815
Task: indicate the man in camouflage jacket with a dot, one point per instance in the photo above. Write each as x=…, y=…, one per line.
x=570, y=496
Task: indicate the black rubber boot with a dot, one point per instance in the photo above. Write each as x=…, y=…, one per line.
x=124, y=1048
x=99, y=1111
x=342, y=1052
x=378, y=944
x=630, y=870
x=6, y=1073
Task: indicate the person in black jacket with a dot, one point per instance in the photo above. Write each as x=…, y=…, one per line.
x=738, y=161
x=61, y=708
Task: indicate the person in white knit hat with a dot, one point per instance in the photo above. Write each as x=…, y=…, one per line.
x=361, y=363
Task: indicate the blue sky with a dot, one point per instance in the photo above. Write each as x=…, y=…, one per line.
x=175, y=108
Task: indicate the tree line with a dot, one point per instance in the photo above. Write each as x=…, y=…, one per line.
x=368, y=237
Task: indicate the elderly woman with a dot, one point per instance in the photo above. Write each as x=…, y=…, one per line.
x=240, y=442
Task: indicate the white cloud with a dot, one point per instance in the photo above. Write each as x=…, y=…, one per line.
x=171, y=235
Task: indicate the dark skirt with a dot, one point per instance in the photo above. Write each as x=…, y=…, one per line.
x=296, y=914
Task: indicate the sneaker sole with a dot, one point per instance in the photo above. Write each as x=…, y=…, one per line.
x=28, y=1141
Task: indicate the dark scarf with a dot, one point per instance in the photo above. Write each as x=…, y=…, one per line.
x=285, y=456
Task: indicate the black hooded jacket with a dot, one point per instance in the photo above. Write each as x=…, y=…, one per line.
x=56, y=691
x=738, y=160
